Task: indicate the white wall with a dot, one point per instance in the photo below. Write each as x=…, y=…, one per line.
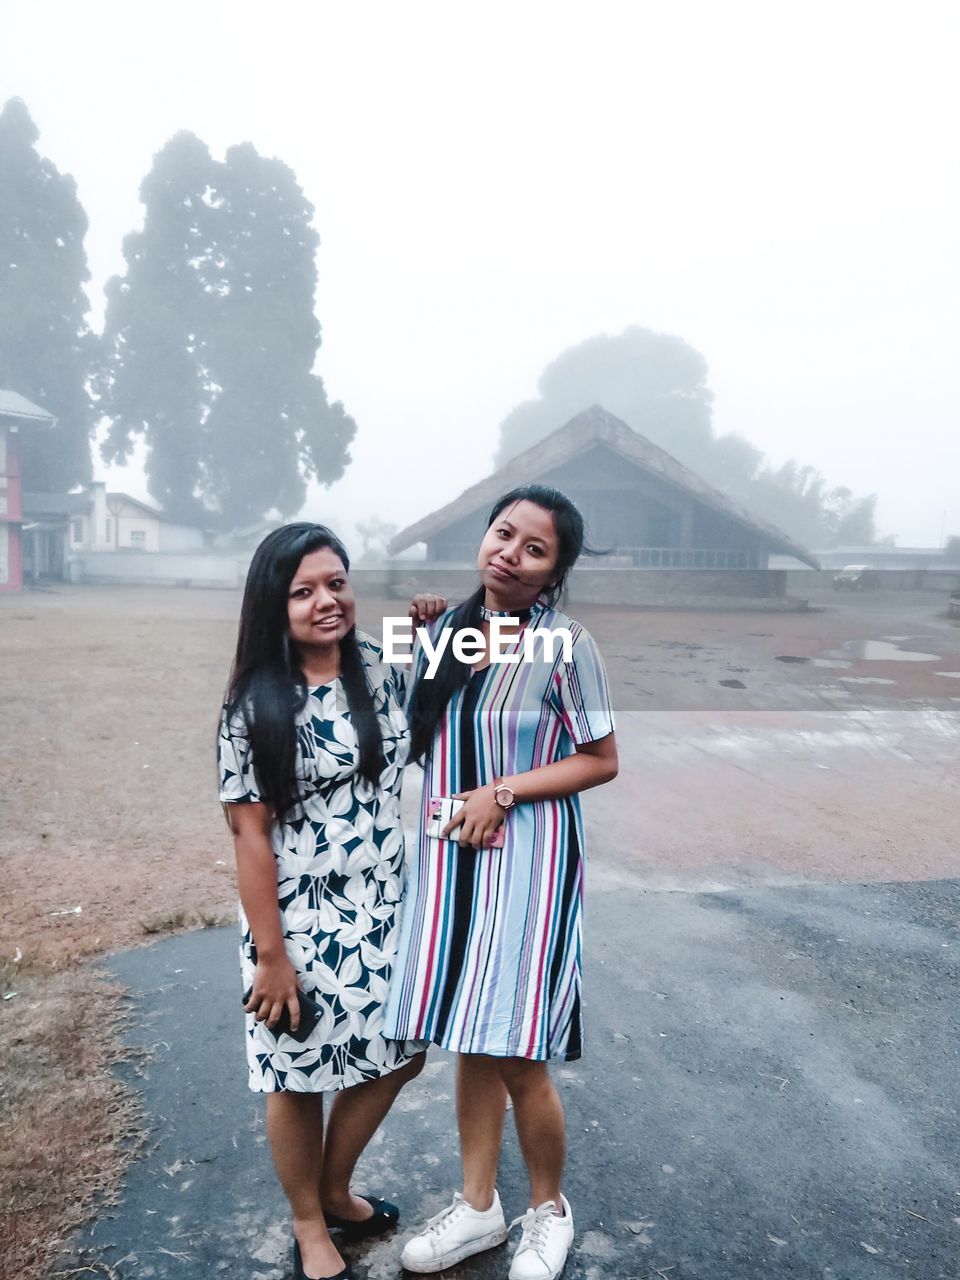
x=180, y=537
x=163, y=569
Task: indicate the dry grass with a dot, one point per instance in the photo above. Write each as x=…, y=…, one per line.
x=67, y=1124
x=108, y=702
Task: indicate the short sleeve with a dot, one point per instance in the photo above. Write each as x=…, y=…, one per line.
x=238, y=782
x=581, y=695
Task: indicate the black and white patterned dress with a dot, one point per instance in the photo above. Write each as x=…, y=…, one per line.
x=339, y=871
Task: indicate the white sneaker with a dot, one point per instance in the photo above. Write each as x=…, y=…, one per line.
x=546, y=1240
x=457, y=1232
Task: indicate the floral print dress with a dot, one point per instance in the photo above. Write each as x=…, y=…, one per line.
x=339, y=870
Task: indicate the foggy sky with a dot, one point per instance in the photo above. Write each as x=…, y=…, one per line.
x=777, y=184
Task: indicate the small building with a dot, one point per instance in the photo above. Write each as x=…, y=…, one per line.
x=16, y=413
x=62, y=528
x=642, y=507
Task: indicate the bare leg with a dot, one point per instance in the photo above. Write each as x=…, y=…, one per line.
x=538, y=1113
x=295, y=1131
x=481, y=1105
x=355, y=1116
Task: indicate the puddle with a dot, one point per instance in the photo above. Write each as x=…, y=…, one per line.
x=837, y=663
x=865, y=680
x=876, y=651
x=789, y=657
x=951, y=675
x=738, y=684
x=882, y=651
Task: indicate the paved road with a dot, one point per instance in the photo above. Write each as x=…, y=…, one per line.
x=771, y=1089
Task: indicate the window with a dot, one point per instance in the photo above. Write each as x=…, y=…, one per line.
x=138, y=539
x=76, y=532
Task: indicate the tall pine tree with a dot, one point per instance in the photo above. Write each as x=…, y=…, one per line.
x=154, y=382
x=45, y=343
x=212, y=339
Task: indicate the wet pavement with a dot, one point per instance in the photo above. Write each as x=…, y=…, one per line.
x=771, y=1087
x=771, y=1080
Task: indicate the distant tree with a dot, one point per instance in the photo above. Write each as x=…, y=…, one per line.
x=797, y=500
x=639, y=376
x=211, y=339
x=951, y=549
x=376, y=534
x=46, y=346
x=155, y=380
x=657, y=384
x=853, y=519
x=271, y=426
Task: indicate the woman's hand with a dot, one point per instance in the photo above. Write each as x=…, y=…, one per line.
x=479, y=819
x=274, y=985
x=426, y=608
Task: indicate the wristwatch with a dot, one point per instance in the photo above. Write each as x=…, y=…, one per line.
x=504, y=796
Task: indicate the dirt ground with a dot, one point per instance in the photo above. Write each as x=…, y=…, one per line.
x=818, y=745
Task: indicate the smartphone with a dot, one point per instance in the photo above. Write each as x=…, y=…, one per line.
x=309, y=1016
x=439, y=812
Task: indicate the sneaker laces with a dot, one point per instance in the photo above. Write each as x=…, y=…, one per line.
x=536, y=1228
x=440, y=1221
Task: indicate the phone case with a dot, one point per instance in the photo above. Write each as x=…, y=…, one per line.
x=439, y=812
x=309, y=1014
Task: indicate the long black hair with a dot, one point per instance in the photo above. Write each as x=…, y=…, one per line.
x=267, y=686
x=430, y=697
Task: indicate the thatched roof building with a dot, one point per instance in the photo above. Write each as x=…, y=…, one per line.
x=643, y=505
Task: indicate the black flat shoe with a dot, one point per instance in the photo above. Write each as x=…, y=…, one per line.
x=385, y=1216
x=300, y=1274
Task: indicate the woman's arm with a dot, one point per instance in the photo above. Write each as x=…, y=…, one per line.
x=275, y=978
x=592, y=764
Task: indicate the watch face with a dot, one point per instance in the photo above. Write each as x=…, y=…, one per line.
x=501, y=799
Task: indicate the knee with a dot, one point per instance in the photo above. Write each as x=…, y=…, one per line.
x=523, y=1077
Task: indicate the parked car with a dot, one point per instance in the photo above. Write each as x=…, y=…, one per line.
x=953, y=607
x=856, y=577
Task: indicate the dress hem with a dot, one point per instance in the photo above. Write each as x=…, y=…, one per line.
x=341, y=1088
x=560, y=1056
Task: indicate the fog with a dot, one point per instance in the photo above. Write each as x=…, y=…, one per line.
x=776, y=185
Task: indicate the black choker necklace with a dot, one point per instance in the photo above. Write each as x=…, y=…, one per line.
x=521, y=615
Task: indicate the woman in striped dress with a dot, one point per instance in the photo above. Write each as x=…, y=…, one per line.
x=488, y=963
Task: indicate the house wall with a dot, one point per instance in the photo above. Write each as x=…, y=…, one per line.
x=11, y=574
x=5, y=583
x=131, y=527
x=624, y=507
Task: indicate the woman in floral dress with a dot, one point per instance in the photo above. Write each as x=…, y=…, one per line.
x=312, y=746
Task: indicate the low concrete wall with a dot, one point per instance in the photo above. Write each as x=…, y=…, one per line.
x=663, y=587
x=159, y=569
x=945, y=580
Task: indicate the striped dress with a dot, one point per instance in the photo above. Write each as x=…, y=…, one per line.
x=489, y=953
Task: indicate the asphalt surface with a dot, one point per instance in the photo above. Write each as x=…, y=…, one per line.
x=770, y=1088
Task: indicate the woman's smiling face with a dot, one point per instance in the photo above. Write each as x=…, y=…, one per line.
x=518, y=555
x=320, y=603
